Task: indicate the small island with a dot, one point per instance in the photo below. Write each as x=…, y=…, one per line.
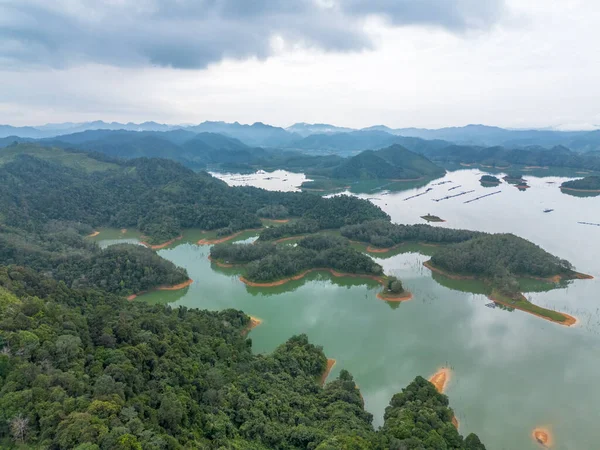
x=587, y=184
x=515, y=178
x=269, y=264
x=489, y=180
x=432, y=218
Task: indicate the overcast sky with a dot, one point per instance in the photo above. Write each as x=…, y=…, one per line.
x=402, y=63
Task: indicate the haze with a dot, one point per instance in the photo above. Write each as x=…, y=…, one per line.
x=430, y=63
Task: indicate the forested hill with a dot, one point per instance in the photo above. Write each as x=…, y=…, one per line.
x=501, y=157
x=394, y=162
x=157, y=196
x=591, y=183
x=83, y=369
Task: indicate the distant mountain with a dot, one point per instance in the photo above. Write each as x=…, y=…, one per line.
x=331, y=138
x=306, y=129
x=255, y=135
x=394, y=162
x=356, y=141
x=195, y=150
x=558, y=156
x=484, y=135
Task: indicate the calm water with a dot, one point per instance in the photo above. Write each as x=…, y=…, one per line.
x=512, y=372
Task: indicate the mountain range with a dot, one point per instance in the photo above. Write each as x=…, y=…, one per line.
x=330, y=138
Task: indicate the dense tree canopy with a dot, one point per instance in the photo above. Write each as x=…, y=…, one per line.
x=268, y=262
x=591, y=183
x=85, y=369
x=160, y=197
x=382, y=233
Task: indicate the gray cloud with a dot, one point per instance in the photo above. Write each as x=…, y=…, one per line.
x=195, y=33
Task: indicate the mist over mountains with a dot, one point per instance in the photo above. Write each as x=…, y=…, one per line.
x=329, y=138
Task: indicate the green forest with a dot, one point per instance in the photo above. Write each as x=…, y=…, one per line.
x=500, y=258
x=385, y=234
x=489, y=179
x=266, y=262
x=84, y=369
x=591, y=183
x=159, y=197
x=395, y=162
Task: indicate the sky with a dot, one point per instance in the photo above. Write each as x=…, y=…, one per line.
x=356, y=63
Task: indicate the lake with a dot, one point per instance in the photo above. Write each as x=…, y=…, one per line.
x=511, y=371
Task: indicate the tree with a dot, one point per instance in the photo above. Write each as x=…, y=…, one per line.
x=18, y=428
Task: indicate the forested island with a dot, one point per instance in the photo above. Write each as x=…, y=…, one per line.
x=489, y=180
x=432, y=218
x=587, y=184
x=268, y=264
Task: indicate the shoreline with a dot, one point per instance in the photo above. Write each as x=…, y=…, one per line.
x=175, y=287
x=330, y=363
x=279, y=220
x=568, y=322
x=371, y=249
x=93, y=234
x=543, y=436
x=226, y=238
x=447, y=274
x=403, y=298
x=163, y=245
x=254, y=322
x=593, y=191
x=220, y=264
x=306, y=272
x=440, y=379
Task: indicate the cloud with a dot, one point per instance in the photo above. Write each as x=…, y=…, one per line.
x=195, y=33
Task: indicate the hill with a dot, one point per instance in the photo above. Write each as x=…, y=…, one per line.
x=591, y=183
x=346, y=143
x=394, y=162
x=85, y=161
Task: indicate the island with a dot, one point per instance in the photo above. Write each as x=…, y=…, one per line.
x=515, y=178
x=432, y=218
x=500, y=260
x=587, y=184
x=489, y=180
x=269, y=264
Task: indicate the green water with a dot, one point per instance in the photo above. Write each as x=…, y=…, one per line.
x=512, y=371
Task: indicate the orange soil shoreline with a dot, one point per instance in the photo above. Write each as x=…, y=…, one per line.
x=175, y=287
x=440, y=380
x=543, y=436
x=279, y=220
x=403, y=298
x=254, y=322
x=93, y=234
x=220, y=264
x=161, y=246
x=569, y=320
x=306, y=272
x=330, y=363
x=580, y=190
